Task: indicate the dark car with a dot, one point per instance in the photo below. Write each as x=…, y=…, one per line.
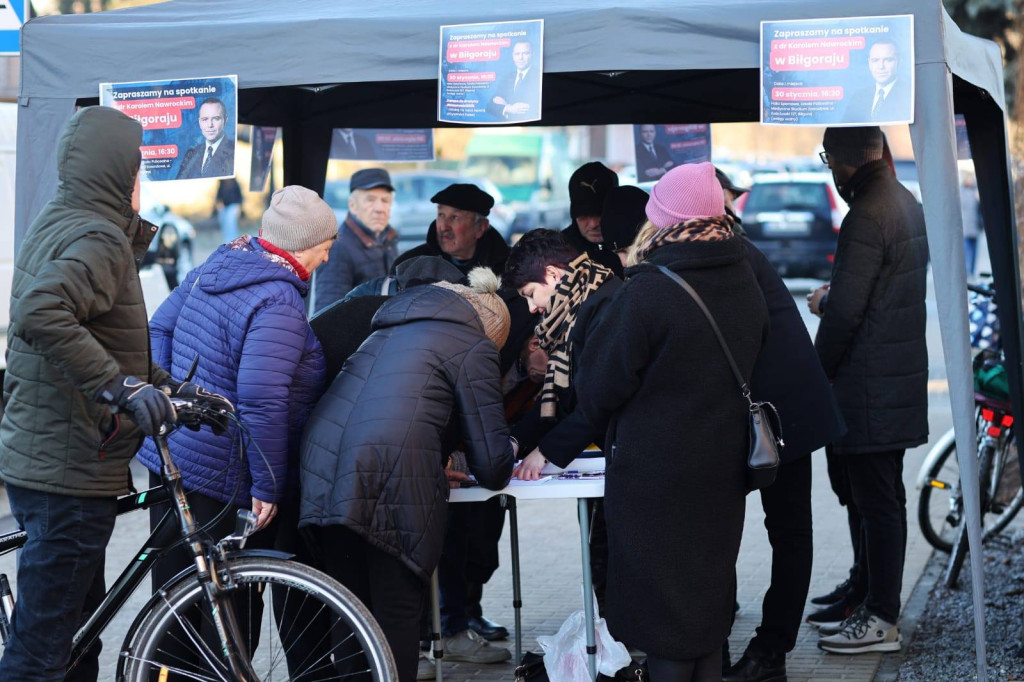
x=794, y=219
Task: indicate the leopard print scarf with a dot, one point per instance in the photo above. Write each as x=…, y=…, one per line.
x=715, y=229
x=584, y=278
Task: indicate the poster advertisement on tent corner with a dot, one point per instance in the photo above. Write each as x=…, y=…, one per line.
x=489, y=74
x=189, y=125
x=838, y=72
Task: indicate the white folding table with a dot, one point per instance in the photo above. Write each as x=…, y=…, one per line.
x=580, y=489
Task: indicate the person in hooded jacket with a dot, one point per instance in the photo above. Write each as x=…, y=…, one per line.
x=676, y=445
x=588, y=187
x=373, y=455
x=242, y=314
x=462, y=234
x=77, y=363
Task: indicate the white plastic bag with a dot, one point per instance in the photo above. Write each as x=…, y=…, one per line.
x=565, y=653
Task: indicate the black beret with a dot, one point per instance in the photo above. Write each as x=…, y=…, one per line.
x=623, y=214
x=465, y=197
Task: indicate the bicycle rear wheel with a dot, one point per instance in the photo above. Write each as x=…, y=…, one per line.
x=1009, y=495
x=315, y=629
x=939, y=508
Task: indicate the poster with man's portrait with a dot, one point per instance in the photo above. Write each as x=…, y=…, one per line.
x=838, y=72
x=189, y=125
x=491, y=73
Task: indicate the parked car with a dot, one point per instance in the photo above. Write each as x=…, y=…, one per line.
x=413, y=211
x=794, y=219
x=172, y=249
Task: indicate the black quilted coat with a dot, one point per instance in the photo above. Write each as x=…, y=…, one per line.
x=871, y=340
x=372, y=456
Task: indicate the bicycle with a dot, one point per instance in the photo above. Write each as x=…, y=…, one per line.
x=319, y=629
x=940, y=505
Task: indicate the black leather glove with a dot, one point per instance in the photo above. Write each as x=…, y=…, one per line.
x=148, y=407
x=217, y=408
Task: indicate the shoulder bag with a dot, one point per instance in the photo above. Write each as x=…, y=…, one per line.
x=763, y=456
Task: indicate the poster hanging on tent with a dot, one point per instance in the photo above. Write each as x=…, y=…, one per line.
x=263, y=139
x=383, y=144
x=838, y=72
x=189, y=125
x=491, y=73
x=659, y=148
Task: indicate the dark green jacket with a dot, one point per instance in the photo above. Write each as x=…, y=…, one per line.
x=78, y=319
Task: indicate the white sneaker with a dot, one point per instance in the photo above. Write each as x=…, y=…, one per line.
x=861, y=633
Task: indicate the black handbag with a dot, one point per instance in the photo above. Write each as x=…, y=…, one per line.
x=531, y=668
x=763, y=455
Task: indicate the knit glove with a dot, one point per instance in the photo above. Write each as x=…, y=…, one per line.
x=148, y=407
x=216, y=408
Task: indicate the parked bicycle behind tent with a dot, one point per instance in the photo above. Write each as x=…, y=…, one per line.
x=940, y=509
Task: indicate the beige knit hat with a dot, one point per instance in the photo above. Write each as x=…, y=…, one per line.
x=482, y=294
x=298, y=219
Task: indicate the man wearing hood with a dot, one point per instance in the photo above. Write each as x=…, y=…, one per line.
x=588, y=188
x=462, y=234
x=367, y=245
x=77, y=363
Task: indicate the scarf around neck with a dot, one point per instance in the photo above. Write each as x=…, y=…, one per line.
x=717, y=229
x=585, y=276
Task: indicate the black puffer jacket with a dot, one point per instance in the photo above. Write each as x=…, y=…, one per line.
x=871, y=339
x=372, y=455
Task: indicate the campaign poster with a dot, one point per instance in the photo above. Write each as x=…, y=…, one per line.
x=838, y=72
x=382, y=144
x=189, y=125
x=659, y=148
x=263, y=138
x=491, y=73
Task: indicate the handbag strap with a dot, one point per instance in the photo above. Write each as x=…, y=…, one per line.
x=714, y=327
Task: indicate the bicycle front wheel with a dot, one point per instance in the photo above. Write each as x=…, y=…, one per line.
x=939, y=508
x=311, y=628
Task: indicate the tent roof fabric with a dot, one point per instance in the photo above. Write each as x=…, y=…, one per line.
x=351, y=41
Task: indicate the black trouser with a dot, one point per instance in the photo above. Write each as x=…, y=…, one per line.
x=839, y=479
x=469, y=560
x=392, y=592
x=248, y=607
x=60, y=582
x=787, y=517
x=705, y=669
x=598, y=550
x=876, y=483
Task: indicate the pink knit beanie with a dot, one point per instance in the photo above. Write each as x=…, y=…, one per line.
x=687, y=191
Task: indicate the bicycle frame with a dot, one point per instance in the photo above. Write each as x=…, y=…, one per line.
x=205, y=569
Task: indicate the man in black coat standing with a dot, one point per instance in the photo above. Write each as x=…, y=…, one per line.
x=871, y=343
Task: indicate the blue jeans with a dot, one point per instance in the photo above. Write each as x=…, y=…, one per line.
x=60, y=582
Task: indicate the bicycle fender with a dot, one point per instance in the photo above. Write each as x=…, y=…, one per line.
x=941, y=445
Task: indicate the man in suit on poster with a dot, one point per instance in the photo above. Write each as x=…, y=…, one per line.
x=517, y=97
x=888, y=98
x=214, y=157
x=652, y=160
x=347, y=144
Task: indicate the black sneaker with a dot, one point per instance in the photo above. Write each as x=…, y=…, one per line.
x=834, y=615
x=834, y=596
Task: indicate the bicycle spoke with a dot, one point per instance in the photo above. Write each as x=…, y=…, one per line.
x=196, y=639
x=177, y=671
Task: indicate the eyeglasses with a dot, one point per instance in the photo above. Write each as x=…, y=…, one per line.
x=824, y=157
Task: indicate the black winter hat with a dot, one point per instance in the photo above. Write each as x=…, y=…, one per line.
x=623, y=215
x=370, y=178
x=587, y=188
x=465, y=197
x=854, y=146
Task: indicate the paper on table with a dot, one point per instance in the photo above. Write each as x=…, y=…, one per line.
x=580, y=464
x=516, y=483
